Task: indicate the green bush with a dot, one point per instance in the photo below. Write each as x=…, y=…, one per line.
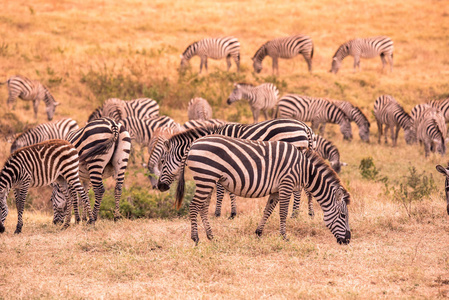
x=367, y=169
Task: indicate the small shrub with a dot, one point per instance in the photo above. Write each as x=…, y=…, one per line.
x=367, y=169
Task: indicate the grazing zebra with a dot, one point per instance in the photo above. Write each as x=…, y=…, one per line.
x=326, y=150
x=315, y=110
x=117, y=109
x=354, y=114
x=364, y=48
x=201, y=123
x=199, y=109
x=263, y=97
x=111, y=144
x=256, y=169
x=445, y=172
x=40, y=165
x=431, y=130
x=292, y=131
x=388, y=111
x=284, y=47
x=215, y=48
x=30, y=90
x=46, y=131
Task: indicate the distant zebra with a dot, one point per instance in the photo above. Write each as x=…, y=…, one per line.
x=201, y=123
x=255, y=169
x=431, y=130
x=263, y=97
x=46, y=131
x=354, y=114
x=199, y=109
x=388, y=111
x=364, y=48
x=30, y=90
x=215, y=48
x=109, y=144
x=445, y=172
x=284, y=47
x=117, y=109
x=40, y=165
x=292, y=131
x=315, y=110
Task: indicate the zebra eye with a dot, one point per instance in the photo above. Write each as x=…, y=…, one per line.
x=343, y=216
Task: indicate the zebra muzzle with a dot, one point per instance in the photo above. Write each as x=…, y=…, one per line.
x=162, y=186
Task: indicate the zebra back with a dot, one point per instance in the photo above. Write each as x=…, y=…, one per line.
x=262, y=97
x=215, y=48
x=142, y=130
x=202, y=123
x=117, y=109
x=443, y=105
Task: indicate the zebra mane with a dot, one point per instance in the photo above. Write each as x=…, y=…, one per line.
x=342, y=51
x=195, y=132
x=190, y=49
x=362, y=116
x=245, y=84
x=261, y=52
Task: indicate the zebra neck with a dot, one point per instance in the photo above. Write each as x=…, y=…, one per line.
x=190, y=51
x=48, y=99
x=261, y=53
x=248, y=93
x=404, y=120
x=341, y=53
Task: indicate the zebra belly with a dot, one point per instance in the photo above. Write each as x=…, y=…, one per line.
x=248, y=192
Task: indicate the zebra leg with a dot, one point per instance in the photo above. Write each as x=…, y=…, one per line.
x=387, y=128
x=99, y=191
x=309, y=63
x=86, y=190
x=426, y=148
x=201, y=64
x=196, y=205
x=205, y=64
x=396, y=133
x=296, y=203
x=233, y=206
x=220, y=195
x=269, y=207
x=20, y=194
x=118, y=195
x=203, y=214
x=384, y=61
x=36, y=106
x=285, y=194
x=3, y=214
x=356, y=63
x=390, y=60
x=275, y=65
x=310, y=202
x=228, y=61
x=265, y=113
x=237, y=62
x=379, y=131
x=256, y=113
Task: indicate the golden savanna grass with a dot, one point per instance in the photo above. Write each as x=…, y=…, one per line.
x=391, y=255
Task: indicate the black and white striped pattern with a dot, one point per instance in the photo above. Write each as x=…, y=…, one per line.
x=202, y=123
x=431, y=130
x=443, y=106
x=263, y=97
x=117, y=109
x=364, y=48
x=445, y=172
x=40, y=165
x=215, y=48
x=284, y=47
x=199, y=109
x=355, y=115
x=256, y=169
x=388, y=111
x=109, y=144
x=43, y=132
x=315, y=110
x=30, y=90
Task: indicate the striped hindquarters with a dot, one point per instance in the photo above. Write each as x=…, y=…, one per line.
x=199, y=109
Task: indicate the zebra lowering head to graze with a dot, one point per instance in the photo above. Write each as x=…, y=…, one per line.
x=40, y=165
x=443, y=106
x=284, y=47
x=355, y=115
x=263, y=97
x=199, y=109
x=364, y=48
x=315, y=110
x=255, y=169
x=43, y=132
x=445, y=172
x=431, y=130
x=30, y=90
x=215, y=48
x=388, y=111
x=116, y=109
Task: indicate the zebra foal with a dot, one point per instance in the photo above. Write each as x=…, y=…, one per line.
x=431, y=129
x=255, y=169
x=199, y=109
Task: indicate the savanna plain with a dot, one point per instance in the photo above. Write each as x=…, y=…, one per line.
x=88, y=51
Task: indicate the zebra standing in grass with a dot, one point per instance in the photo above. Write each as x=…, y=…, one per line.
x=388, y=111
x=40, y=165
x=46, y=131
x=263, y=97
x=111, y=144
x=431, y=130
x=199, y=109
x=30, y=90
x=354, y=114
x=284, y=47
x=292, y=131
x=364, y=48
x=256, y=169
x=445, y=172
x=215, y=48
x=315, y=110
x=117, y=109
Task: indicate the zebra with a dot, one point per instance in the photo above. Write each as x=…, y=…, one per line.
x=46, y=131
x=284, y=47
x=201, y=123
x=364, y=48
x=354, y=114
x=388, y=111
x=199, y=109
x=326, y=150
x=431, y=130
x=30, y=90
x=315, y=110
x=256, y=169
x=443, y=106
x=40, y=165
x=111, y=145
x=445, y=172
x=116, y=109
x=293, y=131
x=215, y=48
x=263, y=97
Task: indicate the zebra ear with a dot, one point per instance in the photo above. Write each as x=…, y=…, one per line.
x=166, y=145
x=442, y=170
x=181, y=56
x=339, y=193
x=236, y=84
x=56, y=103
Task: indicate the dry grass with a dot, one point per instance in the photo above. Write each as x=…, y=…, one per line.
x=390, y=255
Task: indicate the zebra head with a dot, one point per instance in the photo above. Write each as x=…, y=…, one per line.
x=337, y=218
x=184, y=62
x=364, y=132
x=440, y=146
x=236, y=94
x=336, y=63
x=59, y=204
x=156, y=149
x=410, y=135
x=257, y=65
x=346, y=130
x=445, y=172
x=170, y=163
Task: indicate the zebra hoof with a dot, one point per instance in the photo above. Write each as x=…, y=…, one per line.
x=18, y=231
x=196, y=240
x=210, y=236
x=2, y=228
x=116, y=218
x=294, y=215
x=91, y=222
x=259, y=232
x=217, y=214
x=312, y=216
x=232, y=216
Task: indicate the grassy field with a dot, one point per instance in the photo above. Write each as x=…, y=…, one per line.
x=86, y=53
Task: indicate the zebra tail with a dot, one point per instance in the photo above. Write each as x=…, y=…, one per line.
x=2, y=83
x=181, y=187
x=311, y=54
x=103, y=147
